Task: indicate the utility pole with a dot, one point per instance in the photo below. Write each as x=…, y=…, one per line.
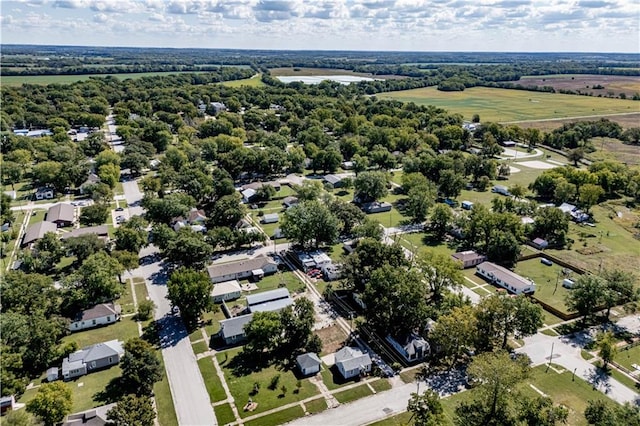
x=550, y=356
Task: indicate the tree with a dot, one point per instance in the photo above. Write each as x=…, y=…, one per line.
x=517, y=191
x=589, y=194
x=109, y=174
x=587, y=295
x=421, y=199
x=552, y=225
x=370, y=186
x=136, y=162
x=396, y=301
x=310, y=223
x=47, y=253
x=540, y=411
x=496, y=376
x=441, y=220
x=11, y=173
x=19, y=418
x=504, y=170
x=500, y=315
x=503, y=248
x=101, y=193
x=265, y=192
x=264, y=333
x=190, y=291
x=145, y=310
x=127, y=259
x=606, y=345
x=450, y=183
x=297, y=322
x=188, y=248
x=426, y=409
x=348, y=214
x=619, y=288
x=52, y=402
x=226, y=211
x=28, y=294
x=369, y=255
x=564, y=192
x=141, y=367
x=84, y=246
x=309, y=190
x=130, y=238
x=453, y=333
x=575, y=155
x=369, y=228
x=132, y=411
x=95, y=214
x=601, y=413
x=95, y=281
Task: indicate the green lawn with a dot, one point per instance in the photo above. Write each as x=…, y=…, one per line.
x=271, y=282
x=142, y=293
x=251, y=82
x=240, y=378
x=123, y=330
x=211, y=380
x=17, y=80
x=626, y=357
x=37, y=216
x=224, y=414
x=332, y=378
x=200, y=347
x=84, y=397
x=381, y=385
x=164, y=400
x=316, y=405
x=211, y=321
x=277, y=418
x=353, y=394
x=503, y=105
x=546, y=278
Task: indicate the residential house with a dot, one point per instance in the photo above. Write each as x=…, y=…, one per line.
x=248, y=195
x=577, y=215
x=540, y=243
x=331, y=272
x=228, y=290
x=196, y=216
x=308, y=363
x=232, y=329
x=92, y=358
x=320, y=258
x=376, y=207
x=218, y=107
x=102, y=231
x=347, y=165
x=269, y=301
x=289, y=201
x=412, y=348
x=257, y=185
x=37, y=231
x=352, y=362
x=93, y=179
x=254, y=268
x=468, y=258
x=333, y=181
x=502, y=190
x=505, y=278
x=102, y=314
x=94, y=417
x=44, y=193
x=270, y=218
x=61, y=214
x=8, y=403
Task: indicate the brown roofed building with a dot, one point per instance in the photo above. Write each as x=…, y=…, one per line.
x=468, y=258
x=102, y=231
x=61, y=214
x=37, y=231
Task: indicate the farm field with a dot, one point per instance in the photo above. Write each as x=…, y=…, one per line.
x=613, y=149
x=616, y=84
x=503, y=105
x=625, y=120
x=254, y=81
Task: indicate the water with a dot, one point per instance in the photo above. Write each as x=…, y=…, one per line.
x=316, y=79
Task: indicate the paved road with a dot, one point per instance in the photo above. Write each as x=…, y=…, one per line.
x=190, y=397
x=566, y=352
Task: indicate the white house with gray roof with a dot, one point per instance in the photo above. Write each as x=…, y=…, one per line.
x=352, y=362
x=232, y=329
x=92, y=358
x=239, y=270
x=228, y=290
x=505, y=278
x=102, y=314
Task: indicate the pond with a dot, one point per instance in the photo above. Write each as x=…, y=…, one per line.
x=316, y=79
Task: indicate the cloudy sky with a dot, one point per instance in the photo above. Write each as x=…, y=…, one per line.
x=417, y=25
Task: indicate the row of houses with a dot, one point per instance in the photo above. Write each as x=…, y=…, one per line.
x=38, y=230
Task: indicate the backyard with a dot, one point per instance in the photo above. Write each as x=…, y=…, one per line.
x=548, y=281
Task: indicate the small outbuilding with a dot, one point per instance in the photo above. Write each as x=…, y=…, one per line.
x=540, y=243
x=270, y=218
x=467, y=205
x=52, y=374
x=468, y=258
x=502, y=190
x=334, y=181
x=308, y=363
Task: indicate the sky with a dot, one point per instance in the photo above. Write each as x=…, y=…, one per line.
x=397, y=25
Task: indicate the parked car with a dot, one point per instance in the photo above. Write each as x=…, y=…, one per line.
x=119, y=209
x=120, y=219
x=546, y=261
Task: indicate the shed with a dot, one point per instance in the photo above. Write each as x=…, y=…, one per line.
x=334, y=181
x=52, y=374
x=270, y=218
x=468, y=258
x=467, y=205
x=308, y=363
x=268, y=301
x=540, y=243
x=499, y=189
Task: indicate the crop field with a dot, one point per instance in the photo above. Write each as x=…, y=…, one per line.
x=626, y=120
x=616, y=84
x=504, y=105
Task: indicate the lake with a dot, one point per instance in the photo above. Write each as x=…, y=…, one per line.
x=316, y=79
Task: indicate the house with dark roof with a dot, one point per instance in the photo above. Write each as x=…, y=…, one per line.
x=44, y=193
x=92, y=358
x=352, y=362
x=232, y=329
x=468, y=258
x=270, y=218
x=269, y=301
x=92, y=179
x=413, y=348
x=255, y=268
x=102, y=231
x=289, y=201
x=308, y=363
x=102, y=314
x=505, y=278
x=61, y=214
x=94, y=417
x=333, y=181
x=37, y=231
x=376, y=207
x=540, y=243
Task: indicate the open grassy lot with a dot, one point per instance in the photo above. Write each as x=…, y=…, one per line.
x=240, y=375
x=614, y=149
x=546, y=278
x=123, y=330
x=511, y=105
x=86, y=389
x=626, y=357
x=353, y=394
x=381, y=385
x=626, y=120
x=251, y=82
x=211, y=380
x=316, y=405
x=615, y=84
x=277, y=418
x=271, y=282
x=224, y=414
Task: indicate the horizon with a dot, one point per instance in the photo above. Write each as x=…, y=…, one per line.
x=554, y=26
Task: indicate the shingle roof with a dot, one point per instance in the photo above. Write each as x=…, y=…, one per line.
x=267, y=296
x=37, y=231
x=225, y=288
x=61, y=211
x=464, y=256
x=352, y=358
x=308, y=360
x=103, y=350
x=101, y=230
x=220, y=270
x=505, y=275
x=98, y=311
x=332, y=179
x=234, y=326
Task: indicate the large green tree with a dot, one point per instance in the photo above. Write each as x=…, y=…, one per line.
x=190, y=291
x=587, y=295
x=52, y=402
x=370, y=186
x=310, y=223
x=188, y=248
x=141, y=367
x=132, y=411
x=426, y=409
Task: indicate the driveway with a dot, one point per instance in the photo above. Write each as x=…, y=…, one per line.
x=189, y=393
x=566, y=352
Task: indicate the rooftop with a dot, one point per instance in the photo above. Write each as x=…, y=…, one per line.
x=61, y=211
x=234, y=326
x=37, y=231
x=506, y=276
x=98, y=311
x=219, y=270
x=225, y=287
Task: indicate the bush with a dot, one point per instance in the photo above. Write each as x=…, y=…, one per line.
x=274, y=382
x=145, y=310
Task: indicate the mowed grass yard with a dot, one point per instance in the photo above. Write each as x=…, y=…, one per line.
x=255, y=81
x=546, y=278
x=504, y=105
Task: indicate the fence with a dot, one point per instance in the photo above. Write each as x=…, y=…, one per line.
x=553, y=259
